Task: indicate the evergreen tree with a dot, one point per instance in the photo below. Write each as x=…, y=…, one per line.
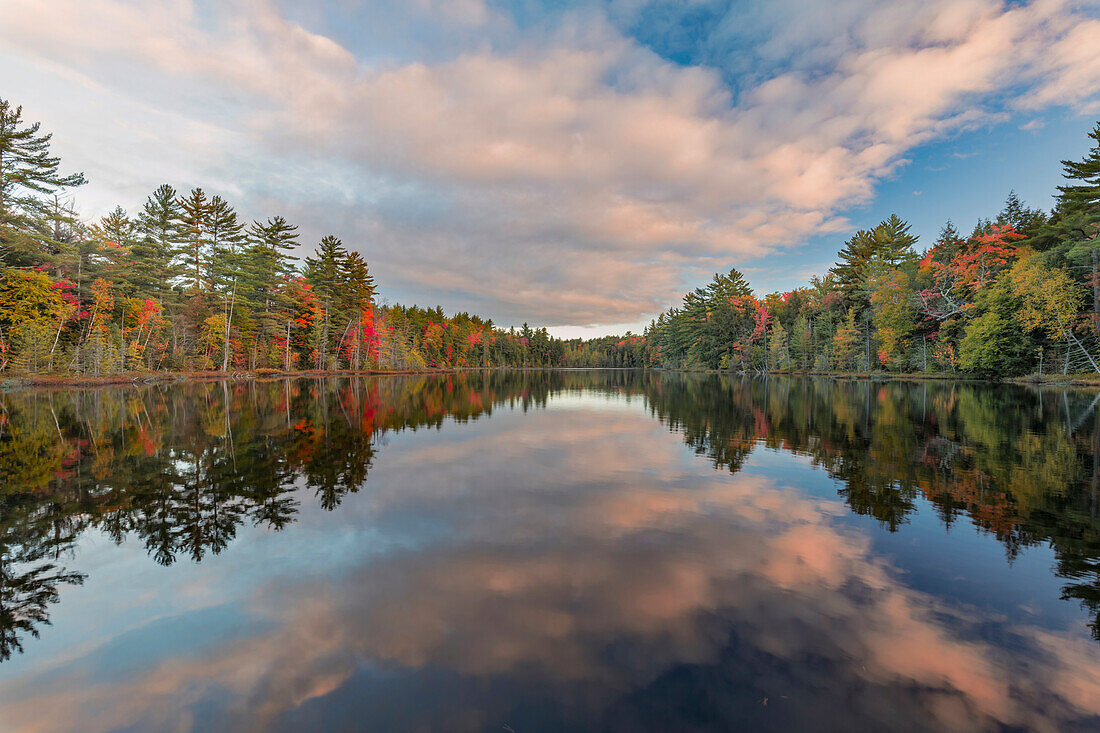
x=269, y=260
x=1071, y=238
x=868, y=253
x=981, y=227
x=358, y=283
x=27, y=170
x=1023, y=220
x=195, y=229
x=266, y=272
x=894, y=242
x=226, y=261
x=325, y=273
x=801, y=344
x=1085, y=193
x=227, y=239
x=947, y=243
x=116, y=233
x=850, y=271
x=157, y=242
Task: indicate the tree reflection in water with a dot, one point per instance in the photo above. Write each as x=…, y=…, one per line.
x=182, y=467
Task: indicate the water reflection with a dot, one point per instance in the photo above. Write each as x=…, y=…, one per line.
x=567, y=568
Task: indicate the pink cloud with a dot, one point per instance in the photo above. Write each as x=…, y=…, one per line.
x=554, y=168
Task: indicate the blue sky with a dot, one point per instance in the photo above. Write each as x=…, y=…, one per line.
x=578, y=165
x=962, y=178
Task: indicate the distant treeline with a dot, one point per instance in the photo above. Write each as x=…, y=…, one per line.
x=187, y=285
x=1020, y=294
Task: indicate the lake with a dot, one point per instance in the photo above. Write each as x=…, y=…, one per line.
x=550, y=551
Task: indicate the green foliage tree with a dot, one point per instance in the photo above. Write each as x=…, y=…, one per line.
x=27, y=172
x=845, y=347
x=991, y=343
x=893, y=315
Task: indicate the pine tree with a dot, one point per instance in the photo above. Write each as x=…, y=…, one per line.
x=359, y=285
x=27, y=170
x=271, y=262
x=157, y=243
x=267, y=268
x=226, y=262
x=1021, y=218
x=853, y=261
x=894, y=242
x=227, y=239
x=195, y=228
x=1075, y=227
x=981, y=228
x=1085, y=194
x=325, y=273
x=947, y=243
x=116, y=234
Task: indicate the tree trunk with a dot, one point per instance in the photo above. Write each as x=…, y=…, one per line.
x=228, y=327
x=358, y=339
x=867, y=339
x=324, y=339
x=1095, y=293
x=765, y=348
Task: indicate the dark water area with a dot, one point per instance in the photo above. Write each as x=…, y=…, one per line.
x=550, y=551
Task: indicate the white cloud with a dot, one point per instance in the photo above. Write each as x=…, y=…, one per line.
x=578, y=177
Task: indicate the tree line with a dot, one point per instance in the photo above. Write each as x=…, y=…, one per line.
x=1019, y=294
x=187, y=284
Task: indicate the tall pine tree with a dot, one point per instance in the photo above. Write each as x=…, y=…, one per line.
x=157, y=243
x=325, y=273
x=27, y=172
x=195, y=228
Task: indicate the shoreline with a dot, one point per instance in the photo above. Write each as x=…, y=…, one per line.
x=136, y=379
x=1047, y=380
x=147, y=378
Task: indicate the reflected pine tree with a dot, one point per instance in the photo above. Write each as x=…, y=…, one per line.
x=180, y=468
x=32, y=541
x=1023, y=464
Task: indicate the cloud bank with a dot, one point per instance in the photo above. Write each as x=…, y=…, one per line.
x=566, y=168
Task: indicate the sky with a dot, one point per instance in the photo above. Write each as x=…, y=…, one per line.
x=578, y=165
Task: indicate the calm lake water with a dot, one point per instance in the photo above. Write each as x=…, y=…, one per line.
x=550, y=551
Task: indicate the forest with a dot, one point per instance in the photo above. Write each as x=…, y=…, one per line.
x=186, y=284
x=1018, y=295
